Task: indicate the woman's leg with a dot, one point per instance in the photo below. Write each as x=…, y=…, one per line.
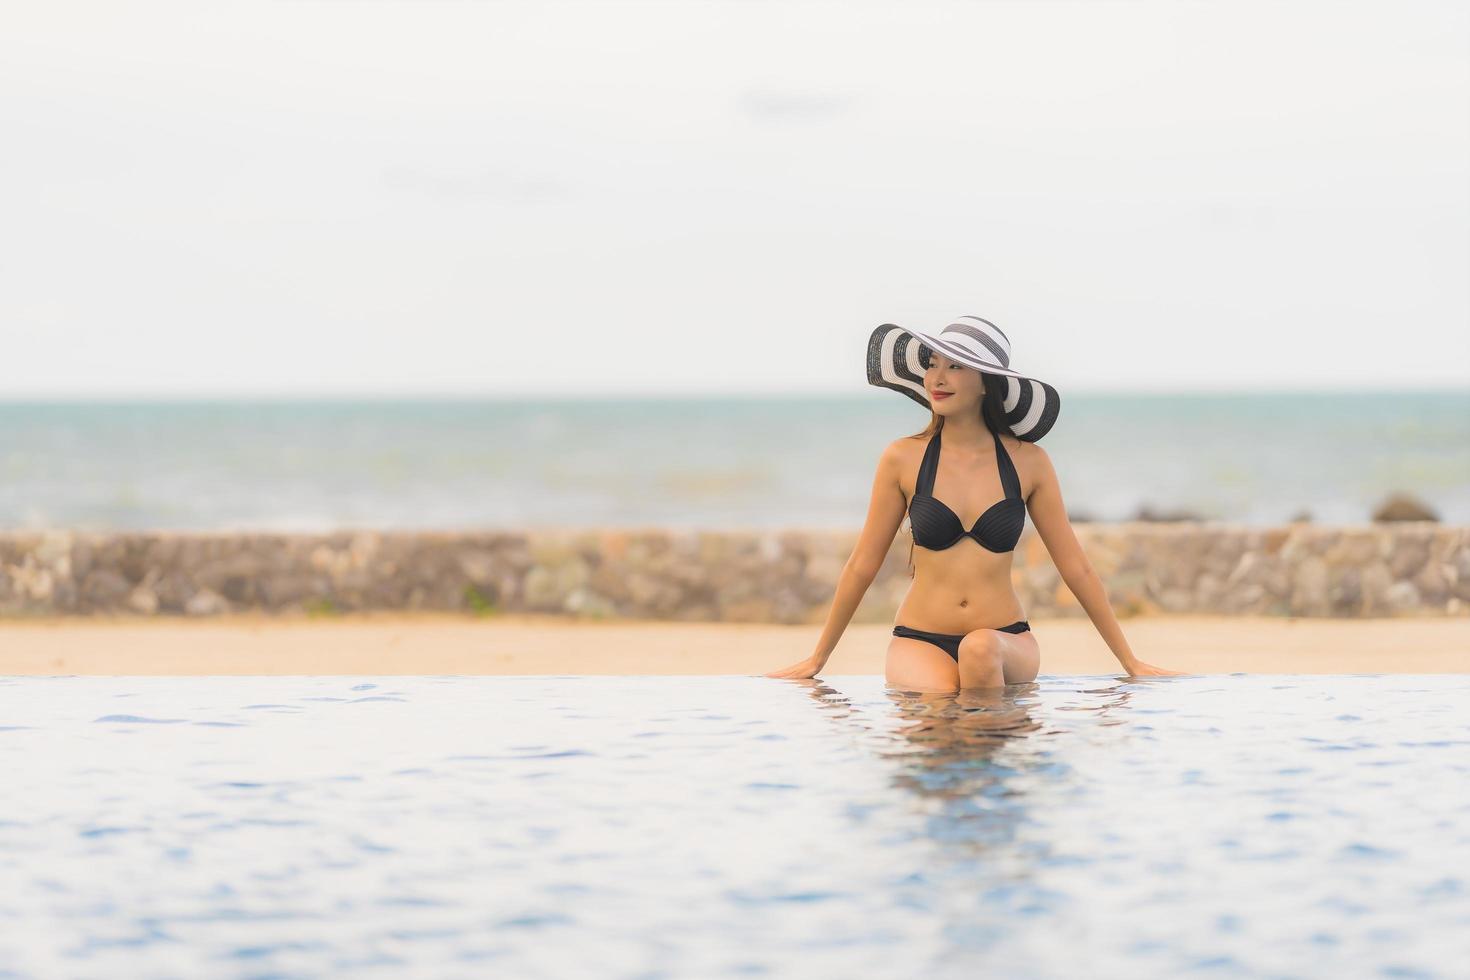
x=918, y=665
x=993, y=658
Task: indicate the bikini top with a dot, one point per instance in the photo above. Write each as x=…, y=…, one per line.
x=936, y=527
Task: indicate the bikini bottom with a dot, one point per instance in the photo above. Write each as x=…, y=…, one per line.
x=950, y=642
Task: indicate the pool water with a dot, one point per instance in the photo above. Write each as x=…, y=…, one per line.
x=676, y=826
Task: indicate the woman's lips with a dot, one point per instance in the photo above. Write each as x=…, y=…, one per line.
x=940, y=395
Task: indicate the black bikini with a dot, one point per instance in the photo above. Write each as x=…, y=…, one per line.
x=950, y=642
x=936, y=528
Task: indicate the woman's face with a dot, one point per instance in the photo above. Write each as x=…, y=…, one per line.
x=963, y=386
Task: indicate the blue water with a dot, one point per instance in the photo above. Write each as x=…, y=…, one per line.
x=643, y=827
x=709, y=463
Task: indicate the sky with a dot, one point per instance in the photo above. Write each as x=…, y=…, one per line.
x=558, y=199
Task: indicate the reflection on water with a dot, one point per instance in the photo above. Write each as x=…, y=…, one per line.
x=719, y=826
x=964, y=755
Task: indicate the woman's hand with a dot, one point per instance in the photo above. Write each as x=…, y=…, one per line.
x=1140, y=669
x=800, y=670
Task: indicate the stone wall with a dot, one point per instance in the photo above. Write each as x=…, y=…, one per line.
x=1409, y=568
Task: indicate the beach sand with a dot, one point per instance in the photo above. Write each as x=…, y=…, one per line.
x=398, y=643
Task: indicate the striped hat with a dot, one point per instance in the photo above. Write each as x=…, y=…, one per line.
x=897, y=359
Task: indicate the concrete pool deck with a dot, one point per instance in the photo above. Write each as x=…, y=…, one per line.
x=405, y=643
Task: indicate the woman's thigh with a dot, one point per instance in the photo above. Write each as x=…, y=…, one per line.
x=1020, y=656
x=918, y=665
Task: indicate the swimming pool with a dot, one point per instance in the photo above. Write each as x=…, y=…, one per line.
x=683, y=826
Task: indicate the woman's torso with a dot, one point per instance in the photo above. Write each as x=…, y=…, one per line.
x=965, y=586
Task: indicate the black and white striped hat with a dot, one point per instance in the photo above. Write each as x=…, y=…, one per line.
x=897, y=359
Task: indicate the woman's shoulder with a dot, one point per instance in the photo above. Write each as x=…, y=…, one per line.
x=1032, y=463
x=905, y=446
x=902, y=454
x=895, y=450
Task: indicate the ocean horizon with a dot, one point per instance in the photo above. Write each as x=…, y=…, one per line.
x=695, y=462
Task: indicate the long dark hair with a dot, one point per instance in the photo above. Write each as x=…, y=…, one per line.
x=992, y=411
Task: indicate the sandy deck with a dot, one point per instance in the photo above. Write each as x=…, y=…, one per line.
x=440, y=644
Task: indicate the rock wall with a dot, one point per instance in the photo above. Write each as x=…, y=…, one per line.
x=1409, y=568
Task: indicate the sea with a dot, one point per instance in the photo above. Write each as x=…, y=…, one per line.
x=713, y=463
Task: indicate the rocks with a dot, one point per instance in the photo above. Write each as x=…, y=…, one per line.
x=1404, y=507
x=786, y=576
x=104, y=587
x=1147, y=512
x=206, y=603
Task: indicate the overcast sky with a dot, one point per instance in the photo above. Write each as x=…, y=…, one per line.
x=581, y=198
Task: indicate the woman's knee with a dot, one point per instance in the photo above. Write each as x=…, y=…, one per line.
x=982, y=646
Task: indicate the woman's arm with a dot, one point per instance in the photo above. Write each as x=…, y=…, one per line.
x=1049, y=515
x=885, y=513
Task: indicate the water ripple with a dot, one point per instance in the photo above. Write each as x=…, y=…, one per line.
x=529, y=826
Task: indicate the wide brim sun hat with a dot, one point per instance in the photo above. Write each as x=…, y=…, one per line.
x=1030, y=405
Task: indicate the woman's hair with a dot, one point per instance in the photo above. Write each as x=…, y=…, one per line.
x=992, y=410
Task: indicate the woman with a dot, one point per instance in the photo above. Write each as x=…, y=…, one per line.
x=961, y=624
